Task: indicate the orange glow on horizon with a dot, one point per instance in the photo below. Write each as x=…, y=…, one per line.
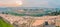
x=13, y=4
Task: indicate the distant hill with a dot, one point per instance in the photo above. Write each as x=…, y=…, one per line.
x=31, y=11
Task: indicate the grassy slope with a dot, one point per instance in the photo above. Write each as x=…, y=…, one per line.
x=4, y=24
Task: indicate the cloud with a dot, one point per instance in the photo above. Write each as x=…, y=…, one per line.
x=34, y=3
x=8, y=3
x=54, y=3
x=42, y=3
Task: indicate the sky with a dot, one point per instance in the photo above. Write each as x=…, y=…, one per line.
x=31, y=3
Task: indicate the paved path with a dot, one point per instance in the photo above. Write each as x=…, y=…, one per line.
x=49, y=26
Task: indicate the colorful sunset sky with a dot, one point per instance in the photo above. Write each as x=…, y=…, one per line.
x=30, y=3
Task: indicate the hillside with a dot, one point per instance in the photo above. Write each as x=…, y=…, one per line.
x=4, y=24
